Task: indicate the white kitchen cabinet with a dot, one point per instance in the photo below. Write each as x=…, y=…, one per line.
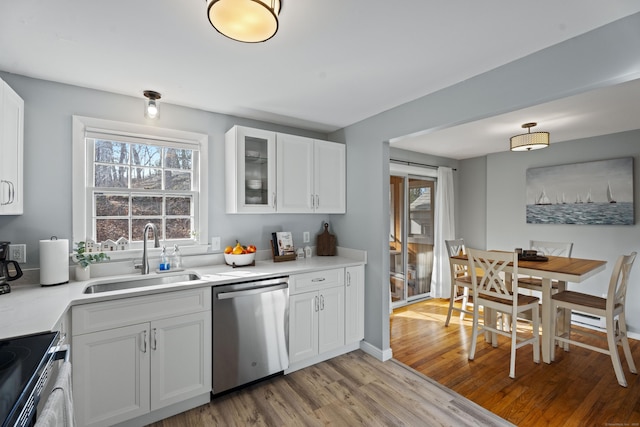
x=316, y=314
x=311, y=175
x=354, y=304
x=124, y=367
x=11, y=151
x=250, y=170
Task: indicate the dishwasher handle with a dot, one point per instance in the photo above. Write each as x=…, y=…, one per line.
x=252, y=291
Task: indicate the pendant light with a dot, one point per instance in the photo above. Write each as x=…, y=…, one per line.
x=529, y=141
x=248, y=21
x=152, y=104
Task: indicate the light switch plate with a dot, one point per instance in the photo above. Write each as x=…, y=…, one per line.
x=305, y=237
x=215, y=243
x=18, y=253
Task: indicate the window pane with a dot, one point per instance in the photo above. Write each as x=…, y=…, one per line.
x=112, y=152
x=143, y=205
x=178, y=206
x=138, y=228
x=111, y=229
x=145, y=155
x=177, y=159
x=112, y=205
x=149, y=179
x=179, y=228
x=175, y=180
x=112, y=176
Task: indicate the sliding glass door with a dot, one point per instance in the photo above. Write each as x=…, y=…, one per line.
x=411, y=202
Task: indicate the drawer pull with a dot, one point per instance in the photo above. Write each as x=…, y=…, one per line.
x=319, y=279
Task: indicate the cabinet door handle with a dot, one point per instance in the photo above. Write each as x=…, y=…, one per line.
x=8, y=183
x=315, y=301
x=273, y=198
x=348, y=278
x=321, y=302
x=144, y=341
x=317, y=202
x=154, y=339
x=318, y=279
x=312, y=202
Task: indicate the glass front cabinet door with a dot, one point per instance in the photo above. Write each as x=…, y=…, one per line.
x=250, y=156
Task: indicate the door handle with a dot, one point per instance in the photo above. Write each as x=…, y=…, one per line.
x=144, y=341
x=321, y=302
x=154, y=339
x=315, y=299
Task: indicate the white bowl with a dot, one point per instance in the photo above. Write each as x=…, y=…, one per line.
x=254, y=184
x=240, y=259
x=253, y=154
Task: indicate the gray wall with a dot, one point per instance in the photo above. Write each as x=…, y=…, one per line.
x=506, y=225
x=605, y=56
x=47, y=163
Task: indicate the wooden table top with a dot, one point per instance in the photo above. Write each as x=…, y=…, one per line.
x=577, y=267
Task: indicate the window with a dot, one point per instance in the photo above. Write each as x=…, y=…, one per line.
x=126, y=176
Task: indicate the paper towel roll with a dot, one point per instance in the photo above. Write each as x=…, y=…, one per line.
x=54, y=262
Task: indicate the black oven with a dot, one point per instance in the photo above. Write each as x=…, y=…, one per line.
x=25, y=366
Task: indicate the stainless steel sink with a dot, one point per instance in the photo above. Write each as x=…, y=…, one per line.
x=120, y=284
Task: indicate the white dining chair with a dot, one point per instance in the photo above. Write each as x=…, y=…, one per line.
x=460, y=282
x=546, y=248
x=611, y=308
x=495, y=295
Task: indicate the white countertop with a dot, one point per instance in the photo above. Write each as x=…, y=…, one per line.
x=29, y=309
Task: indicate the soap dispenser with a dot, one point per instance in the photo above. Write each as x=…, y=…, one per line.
x=176, y=258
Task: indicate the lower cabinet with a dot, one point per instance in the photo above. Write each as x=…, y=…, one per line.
x=326, y=314
x=120, y=373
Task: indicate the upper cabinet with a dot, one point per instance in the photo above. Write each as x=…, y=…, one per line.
x=250, y=162
x=11, y=149
x=310, y=175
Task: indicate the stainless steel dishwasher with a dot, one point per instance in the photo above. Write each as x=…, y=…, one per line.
x=250, y=331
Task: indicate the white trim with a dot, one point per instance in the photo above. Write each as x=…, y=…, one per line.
x=382, y=355
x=406, y=170
x=81, y=124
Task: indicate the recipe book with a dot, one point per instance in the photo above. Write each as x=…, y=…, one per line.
x=283, y=243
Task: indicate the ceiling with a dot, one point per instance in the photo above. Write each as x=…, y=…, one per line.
x=331, y=64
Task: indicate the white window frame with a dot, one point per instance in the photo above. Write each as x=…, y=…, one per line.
x=82, y=210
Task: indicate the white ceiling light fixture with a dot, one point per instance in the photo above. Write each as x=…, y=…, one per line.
x=529, y=141
x=152, y=104
x=248, y=21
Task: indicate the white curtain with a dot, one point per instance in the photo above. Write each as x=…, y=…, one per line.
x=444, y=230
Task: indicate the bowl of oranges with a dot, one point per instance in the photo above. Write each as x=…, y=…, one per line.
x=240, y=255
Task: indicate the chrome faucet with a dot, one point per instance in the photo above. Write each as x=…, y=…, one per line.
x=145, y=236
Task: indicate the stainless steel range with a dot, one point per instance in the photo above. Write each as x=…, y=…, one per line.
x=250, y=332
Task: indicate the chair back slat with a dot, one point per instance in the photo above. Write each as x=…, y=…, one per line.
x=456, y=247
x=619, y=280
x=492, y=282
x=552, y=248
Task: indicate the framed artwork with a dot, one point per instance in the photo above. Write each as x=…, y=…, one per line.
x=599, y=192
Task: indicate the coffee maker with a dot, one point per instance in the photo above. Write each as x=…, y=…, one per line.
x=9, y=270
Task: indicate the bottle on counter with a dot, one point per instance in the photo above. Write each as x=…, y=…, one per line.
x=176, y=258
x=164, y=262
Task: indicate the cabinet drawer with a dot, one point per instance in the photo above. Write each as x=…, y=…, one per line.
x=317, y=280
x=126, y=311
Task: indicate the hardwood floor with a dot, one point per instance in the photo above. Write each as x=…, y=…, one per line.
x=352, y=389
x=578, y=389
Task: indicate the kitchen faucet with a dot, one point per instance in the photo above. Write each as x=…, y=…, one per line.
x=145, y=256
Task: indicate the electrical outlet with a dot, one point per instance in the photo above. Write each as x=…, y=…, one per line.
x=215, y=243
x=18, y=253
x=305, y=237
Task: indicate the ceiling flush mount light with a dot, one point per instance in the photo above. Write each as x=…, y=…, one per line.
x=151, y=104
x=529, y=141
x=248, y=21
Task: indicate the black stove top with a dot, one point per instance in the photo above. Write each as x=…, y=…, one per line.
x=21, y=361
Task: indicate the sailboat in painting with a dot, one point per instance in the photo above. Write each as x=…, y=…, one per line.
x=589, y=197
x=610, y=194
x=543, y=199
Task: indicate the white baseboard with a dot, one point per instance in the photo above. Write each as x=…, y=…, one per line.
x=374, y=351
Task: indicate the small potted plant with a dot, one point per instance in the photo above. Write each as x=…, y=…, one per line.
x=84, y=260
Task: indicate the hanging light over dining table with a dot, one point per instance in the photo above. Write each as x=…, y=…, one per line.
x=248, y=21
x=530, y=140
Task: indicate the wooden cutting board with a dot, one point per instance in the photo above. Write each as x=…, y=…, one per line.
x=326, y=243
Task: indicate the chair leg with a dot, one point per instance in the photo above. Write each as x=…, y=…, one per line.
x=613, y=352
x=452, y=299
x=514, y=343
x=535, y=315
x=474, y=335
x=465, y=302
x=625, y=343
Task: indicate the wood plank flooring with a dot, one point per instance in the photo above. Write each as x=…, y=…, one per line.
x=578, y=389
x=353, y=389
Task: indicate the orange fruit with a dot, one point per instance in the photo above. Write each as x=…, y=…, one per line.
x=228, y=250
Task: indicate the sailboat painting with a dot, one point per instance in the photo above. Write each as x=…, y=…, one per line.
x=599, y=192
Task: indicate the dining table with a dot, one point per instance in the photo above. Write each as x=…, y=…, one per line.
x=550, y=268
